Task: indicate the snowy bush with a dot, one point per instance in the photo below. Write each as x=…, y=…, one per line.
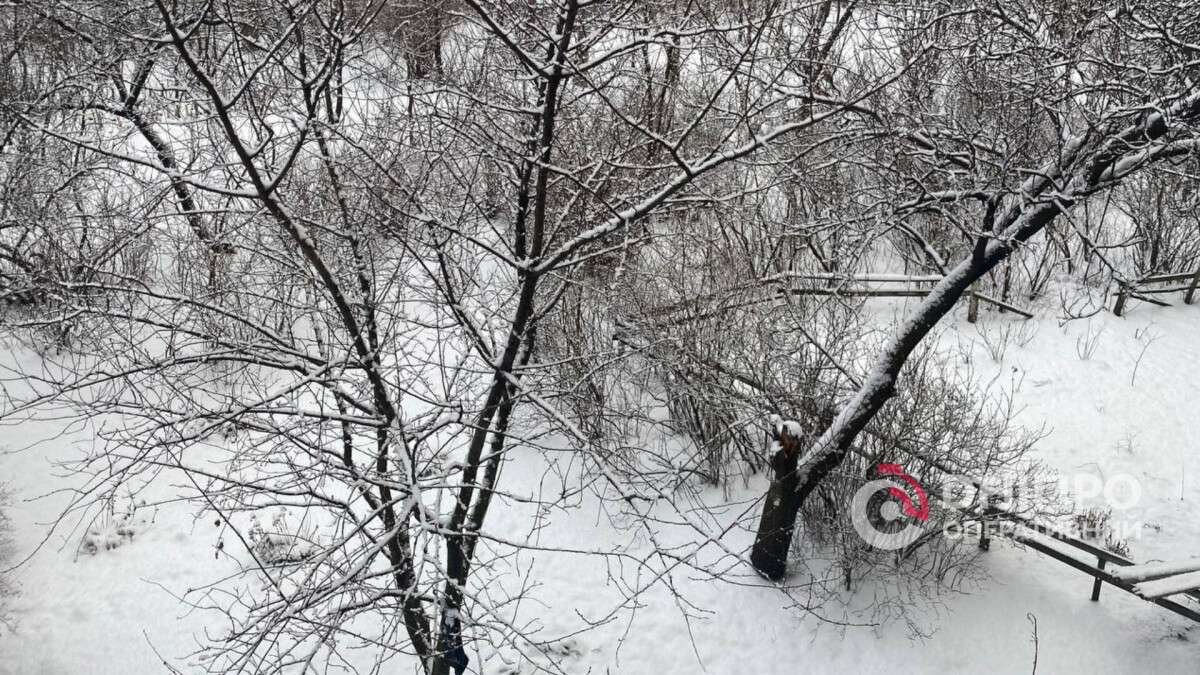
x=940, y=427
x=1162, y=216
x=277, y=544
x=1095, y=524
x=720, y=391
x=113, y=529
x=699, y=412
x=672, y=385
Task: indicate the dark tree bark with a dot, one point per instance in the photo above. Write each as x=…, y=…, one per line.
x=770, y=552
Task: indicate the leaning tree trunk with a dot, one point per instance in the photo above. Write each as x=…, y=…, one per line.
x=1085, y=165
x=786, y=495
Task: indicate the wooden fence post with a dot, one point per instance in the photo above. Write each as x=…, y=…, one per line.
x=1096, y=584
x=1191, y=294
x=1122, y=296
x=1007, y=285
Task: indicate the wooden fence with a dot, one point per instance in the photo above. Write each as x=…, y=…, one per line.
x=1143, y=289
x=883, y=286
x=1068, y=549
x=780, y=286
x=1036, y=540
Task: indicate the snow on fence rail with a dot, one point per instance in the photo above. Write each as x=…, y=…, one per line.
x=1158, y=570
x=1065, y=548
x=1037, y=540
x=1172, y=585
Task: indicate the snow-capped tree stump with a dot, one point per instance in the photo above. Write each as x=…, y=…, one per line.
x=774, y=538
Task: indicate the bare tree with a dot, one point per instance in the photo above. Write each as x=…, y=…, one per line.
x=362, y=360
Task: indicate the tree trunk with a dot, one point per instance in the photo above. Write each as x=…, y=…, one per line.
x=769, y=555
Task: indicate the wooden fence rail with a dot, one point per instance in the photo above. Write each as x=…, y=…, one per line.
x=779, y=286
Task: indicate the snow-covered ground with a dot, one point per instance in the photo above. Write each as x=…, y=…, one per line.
x=1118, y=396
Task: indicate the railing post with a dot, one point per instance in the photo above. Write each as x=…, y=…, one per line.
x=1191, y=294
x=985, y=542
x=1122, y=296
x=1096, y=584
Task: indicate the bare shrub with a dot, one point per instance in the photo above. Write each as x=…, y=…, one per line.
x=280, y=542
x=114, y=528
x=1163, y=215
x=996, y=338
x=1087, y=343
x=699, y=410
x=957, y=441
x=999, y=336
x=1095, y=524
